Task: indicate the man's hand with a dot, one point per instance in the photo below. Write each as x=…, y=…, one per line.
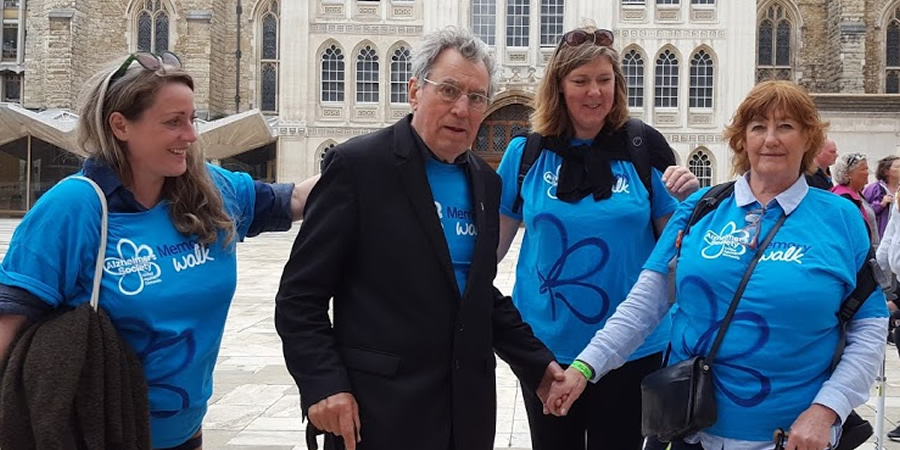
x=339, y=415
x=680, y=182
x=812, y=430
x=564, y=393
x=553, y=374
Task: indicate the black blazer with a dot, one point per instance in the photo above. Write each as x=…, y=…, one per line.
x=418, y=358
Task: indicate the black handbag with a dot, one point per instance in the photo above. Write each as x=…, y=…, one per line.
x=679, y=400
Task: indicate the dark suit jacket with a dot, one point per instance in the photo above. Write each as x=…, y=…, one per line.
x=417, y=356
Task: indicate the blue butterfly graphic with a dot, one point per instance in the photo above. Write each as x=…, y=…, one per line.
x=565, y=284
x=732, y=361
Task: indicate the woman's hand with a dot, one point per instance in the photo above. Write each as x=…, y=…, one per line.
x=812, y=430
x=887, y=199
x=680, y=182
x=564, y=393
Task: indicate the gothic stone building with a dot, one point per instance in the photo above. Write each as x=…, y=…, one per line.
x=279, y=82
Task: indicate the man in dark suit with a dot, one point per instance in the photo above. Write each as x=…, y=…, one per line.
x=402, y=230
x=824, y=160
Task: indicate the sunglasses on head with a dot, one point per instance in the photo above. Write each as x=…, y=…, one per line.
x=599, y=37
x=147, y=60
x=854, y=158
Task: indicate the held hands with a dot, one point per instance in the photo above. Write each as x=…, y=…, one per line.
x=338, y=415
x=564, y=393
x=553, y=375
x=680, y=182
x=812, y=430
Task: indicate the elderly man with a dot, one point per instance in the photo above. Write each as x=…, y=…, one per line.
x=824, y=160
x=402, y=232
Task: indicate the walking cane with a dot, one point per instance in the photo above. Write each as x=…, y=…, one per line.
x=880, y=383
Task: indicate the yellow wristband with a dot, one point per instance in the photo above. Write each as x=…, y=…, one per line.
x=583, y=368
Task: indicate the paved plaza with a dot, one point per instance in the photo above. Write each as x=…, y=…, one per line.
x=255, y=405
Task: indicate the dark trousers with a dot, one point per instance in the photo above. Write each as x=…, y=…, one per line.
x=606, y=416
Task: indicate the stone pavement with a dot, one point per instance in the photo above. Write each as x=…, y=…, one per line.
x=255, y=404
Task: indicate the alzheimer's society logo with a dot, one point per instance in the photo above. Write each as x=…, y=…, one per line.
x=731, y=242
x=552, y=179
x=134, y=266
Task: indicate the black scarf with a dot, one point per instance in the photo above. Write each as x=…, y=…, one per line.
x=586, y=169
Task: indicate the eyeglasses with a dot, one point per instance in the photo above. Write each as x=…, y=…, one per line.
x=753, y=220
x=450, y=93
x=600, y=38
x=147, y=60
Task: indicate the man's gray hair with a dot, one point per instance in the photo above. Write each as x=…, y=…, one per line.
x=462, y=40
x=844, y=165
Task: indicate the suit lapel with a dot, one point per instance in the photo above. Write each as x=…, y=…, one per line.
x=416, y=187
x=480, y=254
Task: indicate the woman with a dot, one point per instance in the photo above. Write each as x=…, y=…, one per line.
x=851, y=173
x=773, y=368
x=174, y=220
x=880, y=194
x=590, y=224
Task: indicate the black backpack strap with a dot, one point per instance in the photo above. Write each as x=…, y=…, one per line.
x=709, y=202
x=640, y=154
x=534, y=145
x=868, y=278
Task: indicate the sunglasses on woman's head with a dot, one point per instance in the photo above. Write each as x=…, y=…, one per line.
x=600, y=38
x=147, y=60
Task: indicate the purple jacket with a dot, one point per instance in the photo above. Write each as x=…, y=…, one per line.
x=873, y=193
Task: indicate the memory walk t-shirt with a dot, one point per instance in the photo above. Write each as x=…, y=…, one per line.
x=579, y=260
x=453, y=203
x=166, y=294
x=778, y=349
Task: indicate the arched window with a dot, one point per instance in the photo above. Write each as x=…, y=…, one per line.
x=484, y=20
x=322, y=151
x=401, y=72
x=268, y=60
x=666, y=80
x=367, y=75
x=497, y=129
x=333, y=74
x=152, y=27
x=518, y=18
x=700, y=165
x=551, y=22
x=701, y=93
x=774, y=46
x=633, y=65
x=892, y=55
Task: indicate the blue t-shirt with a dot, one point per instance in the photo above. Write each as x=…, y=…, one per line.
x=778, y=349
x=166, y=294
x=453, y=202
x=579, y=260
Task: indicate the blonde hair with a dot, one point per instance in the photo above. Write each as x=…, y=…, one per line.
x=550, y=117
x=197, y=207
x=766, y=98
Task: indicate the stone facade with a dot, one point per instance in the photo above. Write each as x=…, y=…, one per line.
x=837, y=46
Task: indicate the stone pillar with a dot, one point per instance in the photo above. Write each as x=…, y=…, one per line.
x=847, y=35
x=196, y=47
x=57, y=65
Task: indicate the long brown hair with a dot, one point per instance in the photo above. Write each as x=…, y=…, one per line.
x=197, y=207
x=550, y=117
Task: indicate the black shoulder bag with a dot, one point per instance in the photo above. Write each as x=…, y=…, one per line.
x=679, y=400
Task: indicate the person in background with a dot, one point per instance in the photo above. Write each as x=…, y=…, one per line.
x=851, y=173
x=880, y=193
x=821, y=178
